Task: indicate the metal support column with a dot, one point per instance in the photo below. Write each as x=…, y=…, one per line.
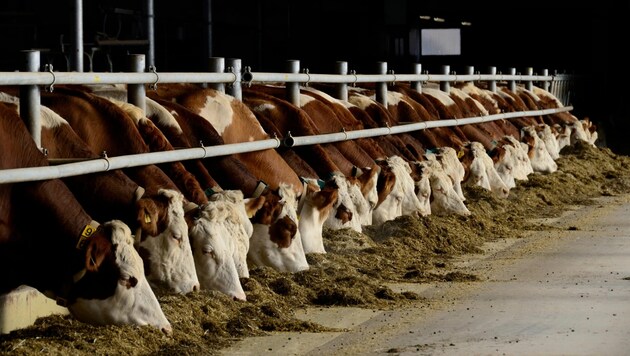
x=30, y=99
x=136, y=93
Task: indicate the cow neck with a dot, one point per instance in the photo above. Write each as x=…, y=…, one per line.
x=63, y=296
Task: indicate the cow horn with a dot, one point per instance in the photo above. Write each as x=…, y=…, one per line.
x=139, y=193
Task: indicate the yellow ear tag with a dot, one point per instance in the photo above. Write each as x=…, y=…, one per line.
x=147, y=218
x=88, y=230
x=460, y=154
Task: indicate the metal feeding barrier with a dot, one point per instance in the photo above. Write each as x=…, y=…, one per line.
x=229, y=79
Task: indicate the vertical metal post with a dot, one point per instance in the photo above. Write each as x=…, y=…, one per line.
x=234, y=89
x=293, y=88
x=341, y=67
x=529, y=85
x=416, y=84
x=492, y=84
x=512, y=83
x=78, y=35
x=445, y=86
x=30, y=99
x=381, y=87
x=136, y=93
x=216, y=65
x=545, y=84
x=470, y=70
x=150, y=33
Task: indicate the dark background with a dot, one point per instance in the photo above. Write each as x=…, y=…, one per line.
x=587, y=39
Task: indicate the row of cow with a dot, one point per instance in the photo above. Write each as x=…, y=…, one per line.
x=105, y=243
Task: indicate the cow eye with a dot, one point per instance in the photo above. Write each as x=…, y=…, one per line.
x=178, y=237
x=129, y=281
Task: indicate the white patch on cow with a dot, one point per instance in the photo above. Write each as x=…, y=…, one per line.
x=214, y=249
x=439, y=95
x=239, y=227
x=352, y=199
x=264, y=252
x=496, y=183
x=404, y=183
x=464, y=96
x=543, y=93
x=218, y=111
x=550, y=140
x=445, y=199
x=563, y=136
x=451, y=165
x=538, y=154
x=471, y=89
x=305, y=99
x=135, y=305
x=165, y=118
x=523, y=164
x=171, y=260
x=263, y=107
x=360, y=100
x=506, y=166
x=312, y=221
x=393, y=97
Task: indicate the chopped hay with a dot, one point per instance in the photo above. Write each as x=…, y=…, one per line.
x=354, y=272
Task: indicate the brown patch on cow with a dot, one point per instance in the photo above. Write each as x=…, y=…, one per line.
x=343, y=214
x=355, y=270
x=252, y=205
x=282, y=231
x=385, y=182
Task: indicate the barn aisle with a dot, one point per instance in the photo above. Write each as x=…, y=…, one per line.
x=556, y=292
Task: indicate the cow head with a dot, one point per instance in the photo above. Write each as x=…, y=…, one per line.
x=162, y=241
x=316, y=207
x=494, y=181
x=276, y=241
x=445, y=199
x=214, y=233
x=113, y=288
x=537, y=152
x=349, y=202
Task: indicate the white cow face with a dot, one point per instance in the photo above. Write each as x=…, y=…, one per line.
x=523, y=164
x=133, y=301
x=452, y=167
x=445, y=199
x=538, y=153
x=551, y=143
x=239, y=225
x=349, y=205
x=423, y=187
x=316, y=207
x=284, y=256
x=505, y=163
x=563, y=136
x=169, y=254
x=214, y=247
x=495, y=182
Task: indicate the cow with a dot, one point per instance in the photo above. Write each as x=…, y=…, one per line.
x=162, y=237
x=218, y=117
x=90, y=268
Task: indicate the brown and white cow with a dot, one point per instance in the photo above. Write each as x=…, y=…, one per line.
x=162, y=238
x=91, y=268
x=219, y=114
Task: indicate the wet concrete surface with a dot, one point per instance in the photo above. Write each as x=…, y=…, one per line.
x=564, y=291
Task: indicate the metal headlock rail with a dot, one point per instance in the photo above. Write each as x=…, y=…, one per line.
x=230, y=80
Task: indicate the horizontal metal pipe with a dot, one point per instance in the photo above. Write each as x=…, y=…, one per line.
x=51, y=78
x=134, y=160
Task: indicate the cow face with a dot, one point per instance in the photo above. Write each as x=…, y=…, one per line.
x=167, y=254
x=242, y=228
x=538, y=152
x=316, y=207
x=128, y=299
x=549, y=138
x=444, y=198
x=453, y=168
x=214, y=243
x=421, y=173
x=504, y=163
x=495, y=182
x=276, y=241
x=350, y=200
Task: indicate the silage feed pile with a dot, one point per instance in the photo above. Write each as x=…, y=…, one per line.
x=354, y=272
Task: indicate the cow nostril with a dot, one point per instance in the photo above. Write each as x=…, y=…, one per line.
x=196, y=288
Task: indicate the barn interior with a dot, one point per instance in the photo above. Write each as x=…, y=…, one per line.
x=582, y=38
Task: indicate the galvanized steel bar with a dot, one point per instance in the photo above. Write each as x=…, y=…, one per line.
x=416, y=84
x=341, y=67
x=136, y=93
x=135, y=160
x=445, y=86
x=381, y=87
x=470, y=70
x=512, y=82
x=78, y=36
x=150, y=16
x=216, y=65
x=492, y=84
x=545, y=84
x=234, y=88
x=529, y=85
x=30, y=99
x=293, y=88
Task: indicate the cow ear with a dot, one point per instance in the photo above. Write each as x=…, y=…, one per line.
x=96, y=251
x=252, y=205
x=147, y=216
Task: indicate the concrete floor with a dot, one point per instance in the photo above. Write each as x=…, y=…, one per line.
x=559, y=292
